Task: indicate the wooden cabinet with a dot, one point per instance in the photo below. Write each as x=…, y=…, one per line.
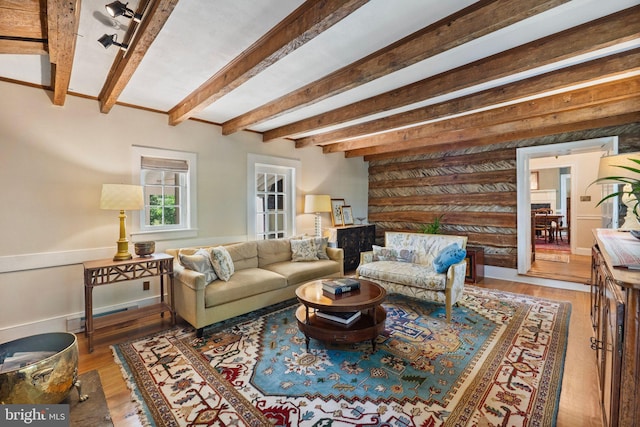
x=353, y=240
x=615, y=296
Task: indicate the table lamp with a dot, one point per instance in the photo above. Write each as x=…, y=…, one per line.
x=610, y=172
x=316, y=204
x=122, y=197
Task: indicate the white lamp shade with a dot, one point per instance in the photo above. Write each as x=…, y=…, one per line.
x=609, y=167
x=317, y=203
x=121, y=197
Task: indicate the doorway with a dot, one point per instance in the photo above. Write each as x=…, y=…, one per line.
x=574, y=161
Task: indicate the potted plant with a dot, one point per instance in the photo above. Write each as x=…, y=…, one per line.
x=621, y=169
x=433, y=227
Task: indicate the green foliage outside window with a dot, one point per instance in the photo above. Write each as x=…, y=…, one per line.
x=158, y=204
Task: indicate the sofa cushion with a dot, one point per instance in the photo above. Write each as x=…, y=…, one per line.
x=243, y=284
x=200, y=262
x=273, y=250
x=404, y=273
x=425, y=246
x=222, y=262
x=450, y=255
x=390, y=254
x=303, y=250
x=298, y=272
x=321, y=245
x=244, y=255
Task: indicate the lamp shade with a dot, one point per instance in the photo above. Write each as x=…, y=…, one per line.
x=610, y=167
x=317, y=203
x=121, y=197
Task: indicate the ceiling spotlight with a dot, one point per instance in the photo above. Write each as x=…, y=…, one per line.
x=120, y=9
x=108, y=40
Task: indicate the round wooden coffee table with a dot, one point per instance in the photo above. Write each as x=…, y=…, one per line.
x=367, y=299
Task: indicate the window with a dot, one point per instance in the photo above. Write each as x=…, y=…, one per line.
x=272, y=190
x=168, y=180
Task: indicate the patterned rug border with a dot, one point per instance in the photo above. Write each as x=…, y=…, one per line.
x=254, y=417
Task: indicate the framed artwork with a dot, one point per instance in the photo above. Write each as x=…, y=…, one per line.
x=534, y=180
x=347, y=215
x=336, y=211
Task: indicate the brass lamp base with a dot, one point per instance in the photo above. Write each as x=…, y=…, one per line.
x=123, y=251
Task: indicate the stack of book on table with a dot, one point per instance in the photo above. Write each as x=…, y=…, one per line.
x=340, y=286
x=345, y=318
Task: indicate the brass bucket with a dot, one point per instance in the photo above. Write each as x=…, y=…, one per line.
x=40, y=369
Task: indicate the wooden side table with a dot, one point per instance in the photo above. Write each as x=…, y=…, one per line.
x=107, y=271
x=475, y=265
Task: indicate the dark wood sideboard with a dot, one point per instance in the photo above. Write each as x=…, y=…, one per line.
x=615, y=316
x=353, y=239
x=475, y=264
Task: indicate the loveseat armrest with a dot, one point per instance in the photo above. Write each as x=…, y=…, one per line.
x=366, y=257
x=336, y=254
x=189, y=278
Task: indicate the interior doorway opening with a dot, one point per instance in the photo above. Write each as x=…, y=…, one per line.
x=572, y=166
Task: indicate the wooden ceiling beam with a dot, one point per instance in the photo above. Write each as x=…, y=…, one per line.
x=22, y=19
x=477, y=20
x=589, y=117
x=604, y=32
x=63, y=19
x=560, y=128
x=475, y=122
x=125, y=64
x=609, y=67
x=301, y=26
x=20, y=47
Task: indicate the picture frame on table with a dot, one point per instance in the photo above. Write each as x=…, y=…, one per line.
x=347, y=215
x=336, y=211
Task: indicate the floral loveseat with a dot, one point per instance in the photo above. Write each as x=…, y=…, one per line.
x=408, y=264
x=214, y=284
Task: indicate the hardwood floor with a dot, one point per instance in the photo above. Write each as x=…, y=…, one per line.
x=578, y=400
x=578, y=269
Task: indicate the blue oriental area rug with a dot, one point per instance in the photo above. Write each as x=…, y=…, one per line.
x=499, y=362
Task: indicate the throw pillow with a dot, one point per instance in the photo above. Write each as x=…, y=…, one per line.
x=381, y=253
x=448, y=256
x=303, y=250
x=222, y=262
x=199, y=262
x=321, y=245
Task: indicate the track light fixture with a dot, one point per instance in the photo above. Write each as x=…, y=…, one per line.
x=117, y=8
x=108, y=40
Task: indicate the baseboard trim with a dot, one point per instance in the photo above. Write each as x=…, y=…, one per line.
x=511, y=274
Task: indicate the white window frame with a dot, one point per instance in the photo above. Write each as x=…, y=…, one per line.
x=190, y=227
x=288, y=166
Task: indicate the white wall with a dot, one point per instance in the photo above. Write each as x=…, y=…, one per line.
x=53, y=162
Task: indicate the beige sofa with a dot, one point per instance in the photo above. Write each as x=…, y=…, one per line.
x=405, y=265
x=264, y=274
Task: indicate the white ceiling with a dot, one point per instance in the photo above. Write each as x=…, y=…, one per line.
x=202, y=36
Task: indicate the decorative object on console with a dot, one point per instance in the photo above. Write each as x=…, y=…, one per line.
x=623, y=169
x=122, y=197
x=317, y=204
x=347, y=215
x=336, y=211
x=144, y=249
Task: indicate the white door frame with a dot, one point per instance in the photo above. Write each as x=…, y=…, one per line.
x=523, y=172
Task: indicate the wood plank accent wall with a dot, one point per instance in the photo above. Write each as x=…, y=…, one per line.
x=474, y=189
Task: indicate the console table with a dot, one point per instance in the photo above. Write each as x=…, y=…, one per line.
x=615, y=316
x=353, y=239
x=107, y=271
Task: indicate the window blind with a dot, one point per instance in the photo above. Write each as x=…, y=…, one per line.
x=157, y=163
